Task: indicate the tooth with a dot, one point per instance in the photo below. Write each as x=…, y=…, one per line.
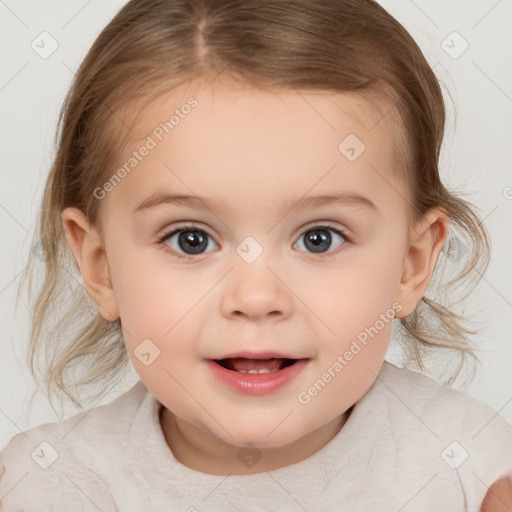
x=263, y=370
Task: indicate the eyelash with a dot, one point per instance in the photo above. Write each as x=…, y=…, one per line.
x=190, y=227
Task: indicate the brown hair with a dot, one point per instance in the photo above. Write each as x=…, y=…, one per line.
x=152, y=46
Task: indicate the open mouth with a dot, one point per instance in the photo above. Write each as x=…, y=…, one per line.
x=256, y=366
x=256, y=375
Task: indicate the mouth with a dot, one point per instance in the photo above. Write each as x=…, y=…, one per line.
x=255, y=366
x=256, y=374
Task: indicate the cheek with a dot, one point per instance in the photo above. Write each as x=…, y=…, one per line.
x=151, y=293
x=161, y=312
x=355, y=303
x=358, y=290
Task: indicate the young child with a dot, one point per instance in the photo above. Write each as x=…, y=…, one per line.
x=250, y=193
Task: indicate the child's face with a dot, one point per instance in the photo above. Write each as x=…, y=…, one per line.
x=250, y=158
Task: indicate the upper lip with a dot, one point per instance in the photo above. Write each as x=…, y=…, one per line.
x=246, y=354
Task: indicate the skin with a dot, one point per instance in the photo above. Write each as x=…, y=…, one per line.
x=251, y=155
x=499, y=497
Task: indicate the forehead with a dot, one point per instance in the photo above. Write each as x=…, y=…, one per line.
x=224, y=103
x=282, y=142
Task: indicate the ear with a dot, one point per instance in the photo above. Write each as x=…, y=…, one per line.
x=426, y=239
x=84, y=241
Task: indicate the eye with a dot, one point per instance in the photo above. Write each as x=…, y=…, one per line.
x=319, y=239
x=189, y=240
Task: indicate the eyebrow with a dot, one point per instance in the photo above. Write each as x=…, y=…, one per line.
x=162, y=198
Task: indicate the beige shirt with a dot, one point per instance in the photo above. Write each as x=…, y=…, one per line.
x=410, y=445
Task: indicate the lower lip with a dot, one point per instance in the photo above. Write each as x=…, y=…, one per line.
x=257, y=383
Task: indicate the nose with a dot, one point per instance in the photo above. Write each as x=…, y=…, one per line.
x=256, y=291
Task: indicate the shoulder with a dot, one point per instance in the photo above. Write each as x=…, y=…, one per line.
x=472, y=438
x=63, y=455
x=442, y=405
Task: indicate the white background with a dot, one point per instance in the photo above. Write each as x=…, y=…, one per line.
x=476, y=160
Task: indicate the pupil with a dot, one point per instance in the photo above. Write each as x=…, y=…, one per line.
x=196, y=241
x=319, y=240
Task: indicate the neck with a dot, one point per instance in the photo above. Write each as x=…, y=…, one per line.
x=202, y=451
